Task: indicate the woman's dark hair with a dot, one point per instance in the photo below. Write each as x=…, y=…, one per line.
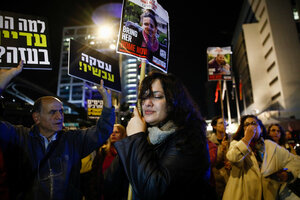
x=184, y=112
x=282, y=139
x=148, y=13
x=182, y=109
x=240, y=131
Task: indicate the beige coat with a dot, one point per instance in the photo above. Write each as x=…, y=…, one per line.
x=247, y=181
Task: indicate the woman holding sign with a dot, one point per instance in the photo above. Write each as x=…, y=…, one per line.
x=165, y=155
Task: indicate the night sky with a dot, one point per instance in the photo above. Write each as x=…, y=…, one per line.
x=193, y=28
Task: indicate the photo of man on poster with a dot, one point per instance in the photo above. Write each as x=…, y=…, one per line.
x=218, y=63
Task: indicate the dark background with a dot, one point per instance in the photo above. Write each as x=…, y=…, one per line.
x=194, y=26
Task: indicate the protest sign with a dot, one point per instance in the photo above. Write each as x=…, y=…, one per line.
x=144, y=32
x=219, y=63
x=24, y=37
x=90, y=65
x=94, y=108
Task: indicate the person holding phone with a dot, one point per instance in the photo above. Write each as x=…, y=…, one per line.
x=260, y=168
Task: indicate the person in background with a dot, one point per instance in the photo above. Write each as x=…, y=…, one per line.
x=104, y=157
x=277, y=134
x=165, y=155
x=291, y=140
x=43, y=161
x=260, y=168
x=213, y=151
x=221, y=168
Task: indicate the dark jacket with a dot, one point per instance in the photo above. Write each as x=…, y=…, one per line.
x=53, y=173
x=173, y=169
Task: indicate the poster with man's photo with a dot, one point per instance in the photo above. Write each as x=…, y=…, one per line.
x=219, y=63
x=144, y=32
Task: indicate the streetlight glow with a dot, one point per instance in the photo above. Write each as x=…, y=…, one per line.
x=105, y=32
x=112, y=46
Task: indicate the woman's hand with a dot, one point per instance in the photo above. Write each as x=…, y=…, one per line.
x=249, y=134
x=136, y=124
x=282, y=175
x=224, y=144
x=106, y=95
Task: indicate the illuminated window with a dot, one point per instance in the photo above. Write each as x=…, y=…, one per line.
x=77, y=93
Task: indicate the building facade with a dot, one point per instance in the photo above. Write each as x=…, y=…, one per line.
x=266, y=52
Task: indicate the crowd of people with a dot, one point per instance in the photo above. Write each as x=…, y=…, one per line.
x=260, y=163
x=162, y=153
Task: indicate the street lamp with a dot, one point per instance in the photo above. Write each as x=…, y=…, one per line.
x=105, y=31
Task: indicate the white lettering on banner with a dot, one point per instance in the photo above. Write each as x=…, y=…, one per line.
x=130, y=31
x=95, y=62
x=84, y=57
x=31, y=25
x=95, y=103
x=28, y=55
x=8, y=22
x=35, y=26
x=126, y=37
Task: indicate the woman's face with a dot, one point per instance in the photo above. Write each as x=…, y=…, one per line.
x=252, y=122
x=274, y=133
x=149, y=26
x=155, y=106
x=115, y=135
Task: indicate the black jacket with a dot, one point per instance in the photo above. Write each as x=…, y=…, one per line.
x=175, y=169
x=37, y=173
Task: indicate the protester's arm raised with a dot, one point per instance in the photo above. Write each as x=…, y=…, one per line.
x=106, y=95
x=7, y=74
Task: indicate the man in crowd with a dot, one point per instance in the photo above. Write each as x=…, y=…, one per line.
x=44, y=161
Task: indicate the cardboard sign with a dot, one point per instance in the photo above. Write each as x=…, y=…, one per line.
x=94, y=107
x=144, y=32
x=24, y=37
x=219, y=63
x=90, y=65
